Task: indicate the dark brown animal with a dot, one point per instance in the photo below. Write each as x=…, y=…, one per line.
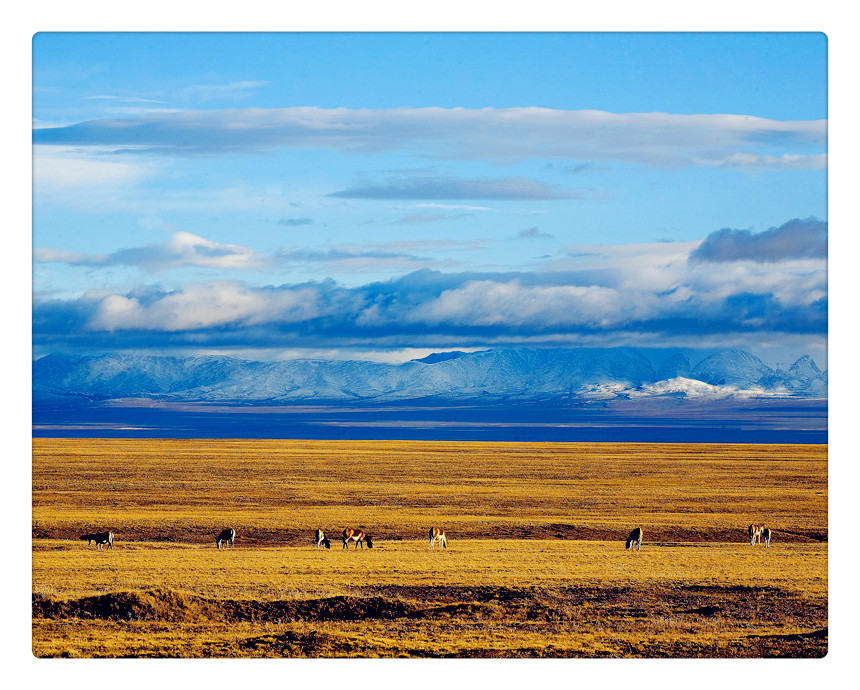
x=225, y=536
x=634, y=539
x=100, y=538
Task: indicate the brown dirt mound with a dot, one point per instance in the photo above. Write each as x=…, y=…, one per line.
x=618, y=611
x=168, y=605
x=149, y=605
x=564, y=603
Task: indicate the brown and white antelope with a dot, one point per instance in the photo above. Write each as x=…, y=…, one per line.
x=226, y=536
x=438, y=534
x=100, y=538
x=321, y=539
x=765, y=533
x=754, y=531
x=634, y=540
x=358, y=536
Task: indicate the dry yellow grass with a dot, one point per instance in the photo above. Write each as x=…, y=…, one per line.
x=69, y=569
x=536, y=563
x=158, y=489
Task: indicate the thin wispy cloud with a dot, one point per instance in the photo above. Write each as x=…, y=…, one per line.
x=295, y=222
x=399, y=257
x=202, y=93
x=753, y=161
x=533, y=233
x=195, y=93
x=183, y=249
x=498, y=134
x=123, y=99
x=340, y=253
x=423, y=217
x=454, y=207
x=496, y=189
x=440, y=244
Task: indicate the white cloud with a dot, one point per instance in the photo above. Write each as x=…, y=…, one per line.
x=45, y=255
x=742, y=161
x=492, y=303
x=72, y=169
x=204, y=305
x=453, y=207
x=189, y=249
x=655, y=139
x=210, y=92
x=182, y=249
x=638, y=294
x=664, y=268
x=103, y=180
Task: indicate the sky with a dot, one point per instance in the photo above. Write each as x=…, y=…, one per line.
x=383, y=196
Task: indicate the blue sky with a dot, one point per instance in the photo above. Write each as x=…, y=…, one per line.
x=383, y=196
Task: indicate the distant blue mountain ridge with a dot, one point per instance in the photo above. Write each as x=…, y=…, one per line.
x=517, y=374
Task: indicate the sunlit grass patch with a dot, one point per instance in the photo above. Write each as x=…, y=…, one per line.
x=535, y=564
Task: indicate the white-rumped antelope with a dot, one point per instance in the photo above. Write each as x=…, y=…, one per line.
x=226, y=536
x=754, y=531
x=438, y=534
x=358, y=536
x=634, y=539
x=322, y=540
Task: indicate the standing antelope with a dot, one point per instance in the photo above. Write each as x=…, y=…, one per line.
x=358, y=536
x=634, y=539
x=226, y=536
x=438, y=534
x=100, y=538
x=765, y=533
x=754, y=531
x=321, y=539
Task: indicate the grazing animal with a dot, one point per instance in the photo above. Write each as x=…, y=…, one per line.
x=226, y=536
x=438, y=534
x=634, y=539
x=322, y=540
x=100, y=538
x=754, y=531
x=765, y=533
x=358, y=536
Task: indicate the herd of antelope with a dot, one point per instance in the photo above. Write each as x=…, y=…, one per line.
x=227, y=536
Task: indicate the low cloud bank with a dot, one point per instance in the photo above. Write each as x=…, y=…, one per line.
x=431, y=309
x=796, y=239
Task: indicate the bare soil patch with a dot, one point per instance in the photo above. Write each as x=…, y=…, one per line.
x=624, y=613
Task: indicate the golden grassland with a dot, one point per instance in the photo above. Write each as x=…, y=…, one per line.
x=536, y=564
x=271, y=573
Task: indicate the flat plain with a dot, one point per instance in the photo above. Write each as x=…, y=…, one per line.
x=535, y=564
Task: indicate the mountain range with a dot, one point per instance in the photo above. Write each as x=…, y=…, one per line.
x=514, y=374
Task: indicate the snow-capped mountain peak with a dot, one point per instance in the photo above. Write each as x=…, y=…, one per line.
x=516, y=374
